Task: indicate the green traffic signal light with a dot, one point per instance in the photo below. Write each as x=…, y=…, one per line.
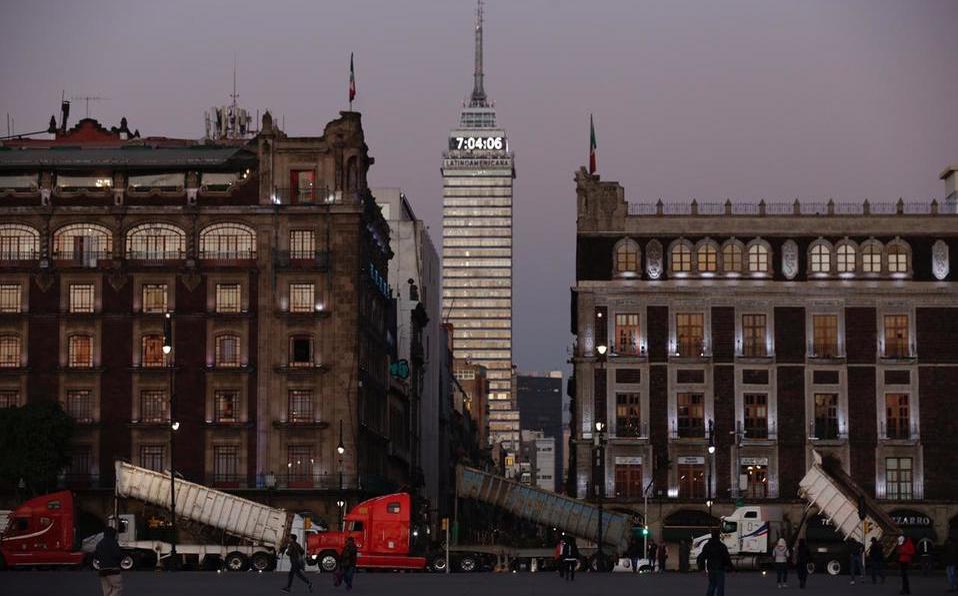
x=645, y=530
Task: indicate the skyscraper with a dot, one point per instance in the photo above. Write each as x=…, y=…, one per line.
x=477, y=173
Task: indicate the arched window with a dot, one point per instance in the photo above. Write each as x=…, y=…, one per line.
x=84, y=241
x=227, y=241
x=897, y=256
x=732, y=252
x=9, y=351
x=845, y=257
x=758, y=257
x=706, y=257
x=626, y=258
x=681, y=257
x=227, y=351
x=155, y=241
x=820, y=257
x=872, y=256
x=19, y=243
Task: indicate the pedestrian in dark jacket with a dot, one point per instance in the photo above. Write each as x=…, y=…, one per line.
x=662, y=556
x=634, y=553
x=570, y=557
x=876, y=561
x=906, y=552
x=856, y=553
x=803, y=556
x=560, y=564
x=715, y=559
x=951, y=563
x=297, y=564
x=107, y=556
x=347, y=564
x=653, y=549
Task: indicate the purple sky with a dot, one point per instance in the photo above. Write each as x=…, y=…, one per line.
x=740, y=98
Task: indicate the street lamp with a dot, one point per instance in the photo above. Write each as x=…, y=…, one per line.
x=711, y=464
x=598, y=484
x=341, y=449
x=174, y=425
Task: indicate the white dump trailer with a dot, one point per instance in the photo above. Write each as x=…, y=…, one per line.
x=262, y=529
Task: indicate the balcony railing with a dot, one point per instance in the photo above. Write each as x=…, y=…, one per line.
x=767, y=432
x=898, y=432
x=302, y=258
x=156, y=256
x=307, y=196
x=223, y=480
x=631, y=430
x=695, y=429
x=82, y=259
x=798, y=208
x=315, y=481
x=826, y=431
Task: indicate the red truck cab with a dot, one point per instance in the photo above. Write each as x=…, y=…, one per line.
x=41, y=532
x=383, y=531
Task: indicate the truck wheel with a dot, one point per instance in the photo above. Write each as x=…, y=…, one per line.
x=438, y=563
x=833, y=567
x=235, y=561
x=468, y=563
x=261, y=561
x=127, y=562
x=328, y=561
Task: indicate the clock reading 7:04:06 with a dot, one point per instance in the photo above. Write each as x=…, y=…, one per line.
x=474, y=143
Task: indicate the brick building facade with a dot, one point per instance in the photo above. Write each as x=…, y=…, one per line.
x=768, y=331
x=270, y=256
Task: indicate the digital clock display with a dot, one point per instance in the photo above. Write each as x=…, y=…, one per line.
x=477, y=143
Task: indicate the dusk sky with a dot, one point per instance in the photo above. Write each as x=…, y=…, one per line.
x=739, y=98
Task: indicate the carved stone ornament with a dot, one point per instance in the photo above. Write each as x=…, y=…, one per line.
x=939, y=260
x=790, y=259
x=117, y=279
x=44, y=280
x=192, y=280
x=653, y=259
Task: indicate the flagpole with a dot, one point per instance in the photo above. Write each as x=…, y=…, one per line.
x=352, y=82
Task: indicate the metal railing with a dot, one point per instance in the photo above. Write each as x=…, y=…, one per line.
x=299, y=258
x=631, y=430
x=796, y=207
x=830, y=431
x=897, y=432
x=307, y=196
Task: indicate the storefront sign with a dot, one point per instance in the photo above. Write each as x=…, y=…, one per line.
x=754, y=461
x=628, y=460
x=913, y=519
x=691, y=460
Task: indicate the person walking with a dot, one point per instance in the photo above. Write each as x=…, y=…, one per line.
x=107, y=557
x=662, y=556
x=803, y=556
x=685, y=551
x=296, y=564
x=906, y=552
x=715, y=559
x=570, y=557
x=856, y=552
x=560, y=564
x=780, y=558
x=650, y=553
x=347, y=564
x=876, y=561
x=634, y=552
x=951, y=563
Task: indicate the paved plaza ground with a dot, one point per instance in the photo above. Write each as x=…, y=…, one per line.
x=147, y=583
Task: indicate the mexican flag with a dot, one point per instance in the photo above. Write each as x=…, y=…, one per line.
x=591, y=146
x=352, y=79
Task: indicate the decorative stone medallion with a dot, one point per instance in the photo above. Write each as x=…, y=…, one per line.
x=790, y=259
x=939, y=260
x=653, y=259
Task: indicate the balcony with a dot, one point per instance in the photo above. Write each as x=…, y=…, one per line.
x=227, y=481
x=825, y=351
x=306, y=196
x=758, y=432
x=300, y=260
x=826, y=430
x=902, y=431
x=631, y=430
x=692, y=428
x=86, y=259
x=689, y=349
x=314, y=481
x=155, y=257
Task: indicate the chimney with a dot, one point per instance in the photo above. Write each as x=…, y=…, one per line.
x=64, y=114
x=950, y=176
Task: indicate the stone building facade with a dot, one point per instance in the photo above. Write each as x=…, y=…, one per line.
x=270, y=256
x=766, y=331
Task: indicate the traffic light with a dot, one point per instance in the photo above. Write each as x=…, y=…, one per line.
x=645, y=530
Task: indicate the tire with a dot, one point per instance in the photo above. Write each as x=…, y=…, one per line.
x=328, y=561
x=438, y=563
x=128, y=561
x=235, y=561
x=468, y=563
x=810, y=568
x=261, y=561
x=833, y=567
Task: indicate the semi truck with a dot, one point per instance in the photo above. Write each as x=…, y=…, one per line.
x=751, y=531
x=41, y=532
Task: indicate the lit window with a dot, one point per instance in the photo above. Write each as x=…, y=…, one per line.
x=897, y=418
x=228, y=298
x=845, y=262
x=300, y=406
x=732, y=257
x=897, y=257
x=299, y=465
x=757, y=478
x=83, y=242
x=898, y=478
x=681, y=258
x=302, y=297
x=155, y=241
x=227, y=351
x=826, y=416
x=154, y=298
x=626, y=257
x=9, y=398
x=871, y=257
x=227, y=241
x=707, y=258
x=820, y=259
x=81, y=298
x=691, y=480
x=627, y=415
x=9, y=297
x=753, y=336
x=627, y=333
x=226, y=406
x=80, y=351
x=19, y=243
x=302, y=244
x=896, y=336
x=79, y=405
x=152, y=352
x=690, y=331
x=9, y=351
x=153, y=406
x=756, y=415
x=757, y=258
x=301, y=351
x=691, y=414
x=825, y=336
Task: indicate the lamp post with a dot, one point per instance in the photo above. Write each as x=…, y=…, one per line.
x=598, y=463
x=174, y=425
x=711, y=465
x=341, y=449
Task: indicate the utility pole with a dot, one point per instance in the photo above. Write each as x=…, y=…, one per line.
x=174, y=425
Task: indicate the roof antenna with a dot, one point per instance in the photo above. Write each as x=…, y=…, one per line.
x=478, y=93
x=235, y=95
